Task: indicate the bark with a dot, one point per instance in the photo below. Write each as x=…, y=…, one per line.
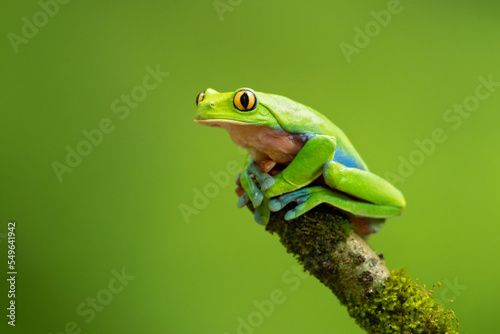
x=323, y=241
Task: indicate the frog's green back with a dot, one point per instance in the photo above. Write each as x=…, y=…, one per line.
x=298, y=118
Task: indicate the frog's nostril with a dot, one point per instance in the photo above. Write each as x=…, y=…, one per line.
x=212, y=104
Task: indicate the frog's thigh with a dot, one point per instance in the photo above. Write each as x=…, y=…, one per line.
x=305, y=167
x=308, y=198
x=362, y=184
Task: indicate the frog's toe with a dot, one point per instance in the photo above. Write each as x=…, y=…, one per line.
x=280, y=202
x=305, y=205
x=262, y=214
x=275, y=205
x=242, y=200
x=261, y=220
x=251, y=189
x=267, y=183
x=291, y=214
x=257, y=199
x=264, y=180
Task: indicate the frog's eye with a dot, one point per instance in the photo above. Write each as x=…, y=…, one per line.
x=200, y=97
x=245, y=100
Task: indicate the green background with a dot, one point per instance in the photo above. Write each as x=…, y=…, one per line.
x=120, y=207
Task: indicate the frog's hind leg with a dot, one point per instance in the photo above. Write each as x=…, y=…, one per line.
x=310, y=197
x=365, y=186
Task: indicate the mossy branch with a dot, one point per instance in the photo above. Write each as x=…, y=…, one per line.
x=381, y=302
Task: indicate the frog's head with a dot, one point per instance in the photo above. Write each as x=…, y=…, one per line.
x=268, y=126
x=250, y=123
x=241, y=107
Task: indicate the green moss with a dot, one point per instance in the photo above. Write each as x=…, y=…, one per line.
x=379, y=302
x=401, y=307
x=310, y=232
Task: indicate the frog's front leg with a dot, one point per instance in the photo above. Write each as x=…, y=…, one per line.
x=305, y=167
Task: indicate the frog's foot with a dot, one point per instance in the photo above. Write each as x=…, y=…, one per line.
x=262, y=213
x=253, y=182
x=264, y=180
x=302, y=197
x=308, y=198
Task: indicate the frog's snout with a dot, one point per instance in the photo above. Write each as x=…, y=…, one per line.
x=206, y=106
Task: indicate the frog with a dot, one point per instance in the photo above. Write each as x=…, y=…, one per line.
x=297, y=155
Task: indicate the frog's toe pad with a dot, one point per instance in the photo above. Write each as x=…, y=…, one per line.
x=275, y=205
x=242, y=200
x=267, y=183
x=305, y=204
x=291, y=214
x=257, y=199
x=262, y=214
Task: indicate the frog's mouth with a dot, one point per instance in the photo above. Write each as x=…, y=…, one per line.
x=223, y=123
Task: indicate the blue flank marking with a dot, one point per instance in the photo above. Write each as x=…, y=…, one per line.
x=345, y=159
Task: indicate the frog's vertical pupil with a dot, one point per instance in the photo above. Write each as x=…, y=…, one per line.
x=244, y=99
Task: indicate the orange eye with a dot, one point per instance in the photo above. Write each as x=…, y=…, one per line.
x=245, y=100
x=200, y=97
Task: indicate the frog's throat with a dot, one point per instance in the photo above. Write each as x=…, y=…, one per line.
x=262, y=142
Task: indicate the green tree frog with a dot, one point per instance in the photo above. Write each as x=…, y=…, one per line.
x=295, y=154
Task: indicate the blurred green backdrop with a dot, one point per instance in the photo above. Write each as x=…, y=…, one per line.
x=118, y=212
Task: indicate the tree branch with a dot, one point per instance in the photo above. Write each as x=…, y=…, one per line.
x=381, y=302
